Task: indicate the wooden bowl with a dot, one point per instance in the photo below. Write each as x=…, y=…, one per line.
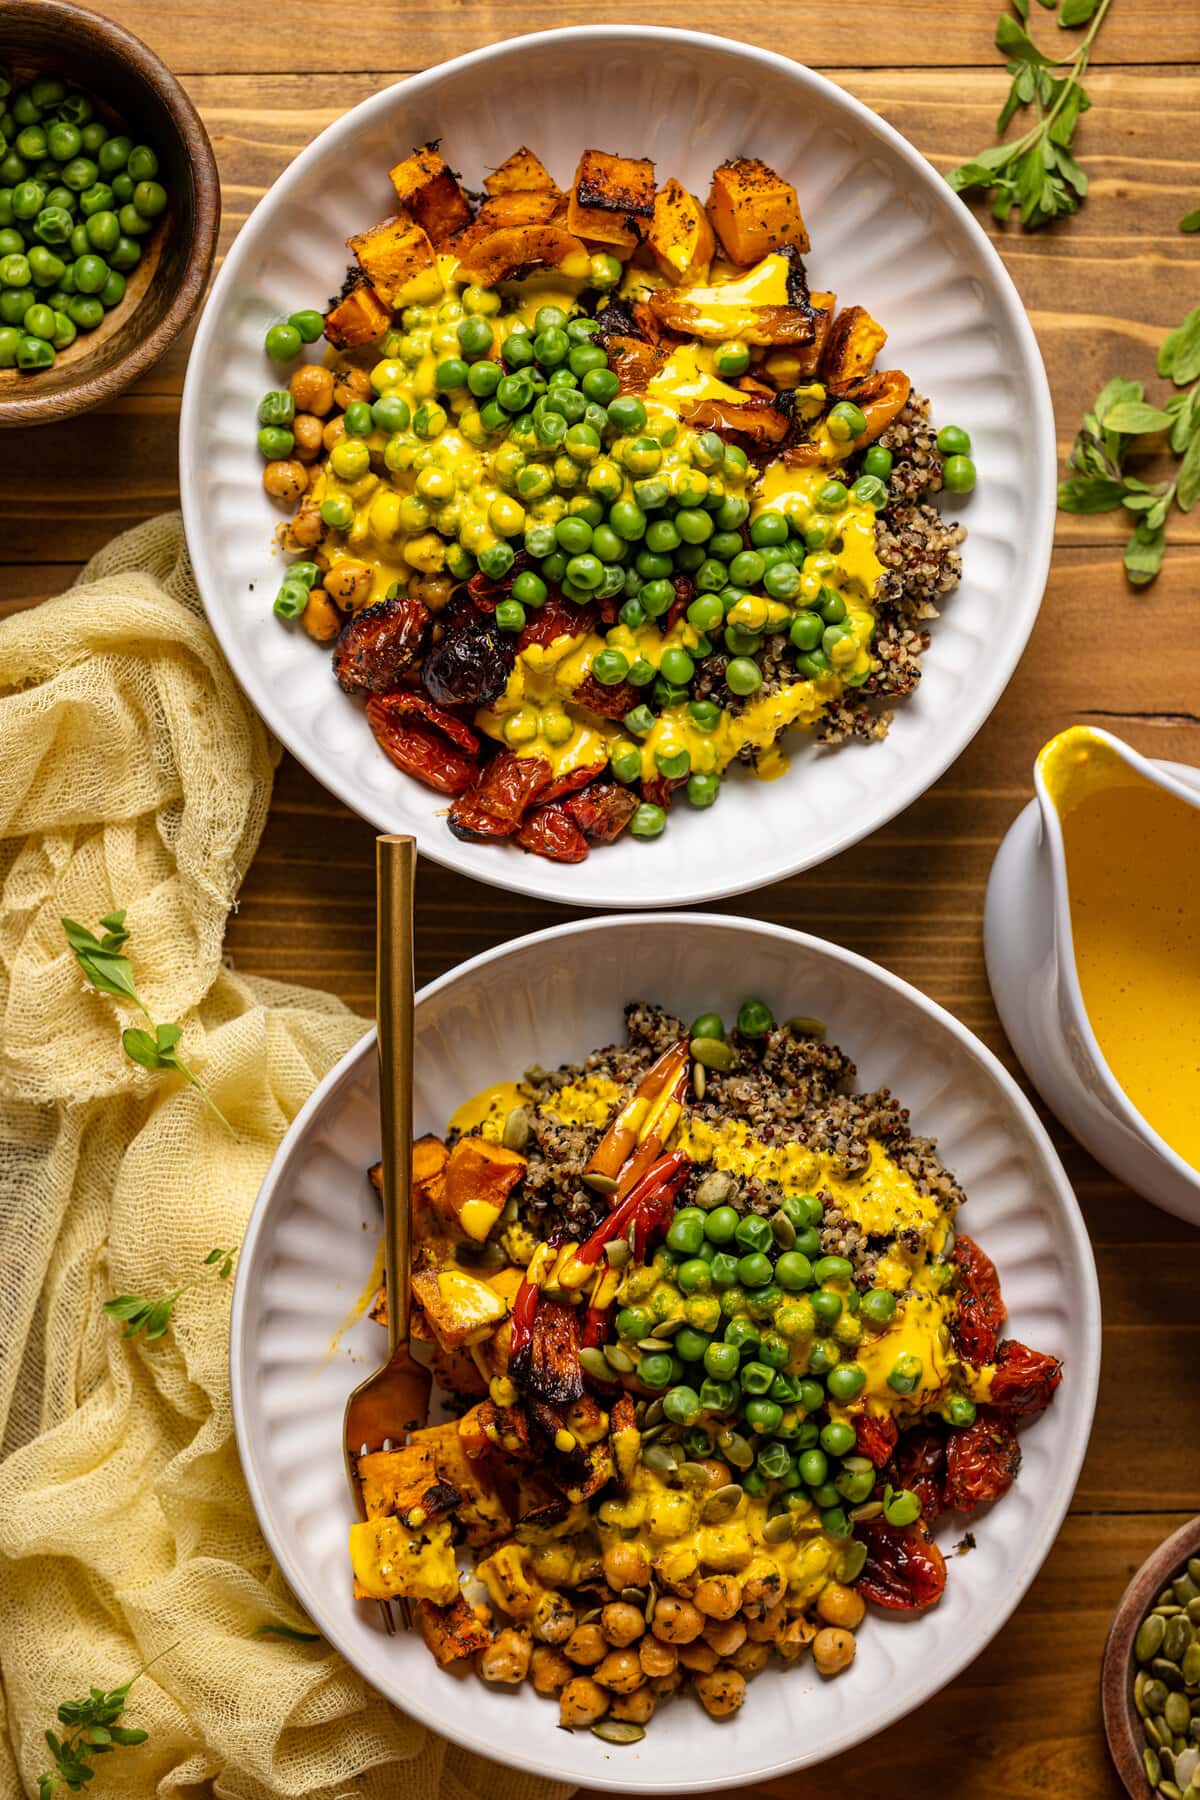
x=1121, y=1723
x=128, y=83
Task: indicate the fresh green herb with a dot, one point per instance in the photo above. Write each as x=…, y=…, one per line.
x=1120, y=415
x=151, y=1317
x=1190, y=221
x=1036, y=172
x=92, y=1730
x=110, y=972
x=287, y=1631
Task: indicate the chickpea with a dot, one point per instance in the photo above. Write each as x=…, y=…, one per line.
x=349, y=583
x=751, y=1658
x=581, y=1702
x=322, y=620
x=506, y=1658
x=622, y=1623
x=840, y=1605
x=761, y=1594
x=716, y=1471
x=718, y=1596
x=306, y=429
x=550, y=1670
x=795, y=1637
x=334, y=431
x=285, y=481
x=306, y=530
x=312, y=389
x=725, y=1635
x=621, y=1671
x=767, y=1629
x=666, y=1684
x=698, y=1656
x=586, y=1645
x=625, y=1565
x=551, y=1562
x=676, y=1621
x=637, y=1707
x=553, y=1618
x=656, y=1657
x=434, y=591
x=351, y=384
x=721, y=1693
x=833, y=1650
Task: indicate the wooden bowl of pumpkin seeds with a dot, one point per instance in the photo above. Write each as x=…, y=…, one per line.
x=1150, y=1684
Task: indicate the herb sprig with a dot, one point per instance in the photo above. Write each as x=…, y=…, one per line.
x=152, y=1317
x=92, y=1730
x=1036, y=172
x=1121, y=415
x=108, y=971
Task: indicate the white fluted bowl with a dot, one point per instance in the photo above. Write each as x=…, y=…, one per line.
x=886, y=232
x=550, y=998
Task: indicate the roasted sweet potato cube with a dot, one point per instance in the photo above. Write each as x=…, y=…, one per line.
x=480, y=1512
x=609, y=195
x=405, y=1484
x=502, y=252
x=459, y=1308
x=393, y=255
x=390, y=1560
x=451, y=1632
x=428, y=190
x=491, y=1427
x=854, y=341
x=521, y=208
x=359, y=318
x=479, y=1177
x=680, y=237
x=520, y=173
x=753, y=211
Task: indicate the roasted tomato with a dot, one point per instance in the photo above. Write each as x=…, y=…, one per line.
x=553, y=1372
x=551, y=832
x=470, y=666
x=602, y=811
x=425, y=741
x=658, y=789
x=606, y=702
x=685, y=593
x=380, y=644
x=571, y=782
x=875, y=1438
x=500, y=799
x=904, y=1571
x=557, y=618
x=919, y=1464
x=980, y=1311
x=1025, y=1380
x=981, y=1461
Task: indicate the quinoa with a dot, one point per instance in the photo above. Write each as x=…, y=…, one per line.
x=788, y=1088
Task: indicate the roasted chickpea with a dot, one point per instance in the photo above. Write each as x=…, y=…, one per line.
x=767, y=1629
x=581, y=1702
x=621, y=1623
x=621, y=1671
x=761, y=1594
x=716, y=1471
x=551, y=1562
x=307, y=429
x=333, y=431
x=506, y=1658
x=656, y=1657
x=725, y=1635
x=321, y=617
x=285, y=481
x=553, y=1618
x=718, y=1596
x=676, y=1621
x=721, y=1693
x=698, y=1655
x=349, y=583
x=795, y=1637
x=312, y=389
x=833, y=1650
x=751, y=1658
x=550, y=1670
x=840, y=1605
x=586, y=1645
x=351, y=384
x=665, y=1684
x=625, y=1565
x=434, y=591
x=637, y=1707
x=306, y=530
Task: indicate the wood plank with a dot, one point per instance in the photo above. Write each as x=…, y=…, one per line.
x=197, y=39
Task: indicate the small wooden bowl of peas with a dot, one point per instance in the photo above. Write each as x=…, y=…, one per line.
x=109, y=208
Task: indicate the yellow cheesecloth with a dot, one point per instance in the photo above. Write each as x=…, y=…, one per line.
x=134, y=774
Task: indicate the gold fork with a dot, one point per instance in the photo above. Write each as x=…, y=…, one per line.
x=393, y=1402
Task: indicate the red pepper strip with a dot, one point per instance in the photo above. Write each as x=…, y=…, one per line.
x=621, y=1139
x=664, y=1179
x=646, y=1154
x=595, y=1327
x=524, y=1307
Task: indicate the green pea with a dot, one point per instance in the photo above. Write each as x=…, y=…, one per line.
x=35, y=353
x=585, y=573
x=824, y=1356
x=648, y=821
x=654, y=1369
x=901, y=1506
x=782, y=580
x=150, y=199
x=952, y=440
x=275, y=442
x=905, y=1374
x=639, y=721
x=958, y=474
x=122, y=187
x=10, y=343
x=276, y=408
x=847, y=1381
x=878, y=462
x=831, y=496
x=753, y=1233
x=95, y=199
x=308, y=322
x=827, y=1306
x=755, y=1019
x=837, y=1438
x=742, y=676
x=813, y=1466
x=721, y=1361
x=291, y=599
x=79, y=173
x=626, y=413
x=551, y=346
x=878, y=1305
x=15, y=271
x=142, y=164
x=113, y=155
x=724, y=1267
x=763, y=1417
x=634, y=1322
x=718, y=1395
x=337, y=510
x=63, y=140
x=805, y=630
x=746, y=569
x=282, y=341
x=702, y=789
x=689, y=1344
x=510, y=614
x=774, y=1350
x=677, y=666
x=126, y=255
x=754, y=1270
x=846, y=421
x=103, y=232
x=959, y=1411
x=31, y=143
x=39, y=321
x=694, y=1276
x=53, y=225
x=793, y=1271
x=681, y=1405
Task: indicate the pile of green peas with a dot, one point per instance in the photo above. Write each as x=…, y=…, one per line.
x=76, y=201
x=958, y=471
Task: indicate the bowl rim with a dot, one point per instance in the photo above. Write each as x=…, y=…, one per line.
x=595, y=888
x=1117, y=1667
x=1085, y=1363
x=90, y=389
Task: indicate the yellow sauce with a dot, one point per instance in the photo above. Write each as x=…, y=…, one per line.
x=1133, y=876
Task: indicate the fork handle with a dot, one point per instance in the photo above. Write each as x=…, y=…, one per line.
x=395, y=879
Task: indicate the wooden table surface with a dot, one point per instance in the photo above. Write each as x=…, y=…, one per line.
x=1101, y=289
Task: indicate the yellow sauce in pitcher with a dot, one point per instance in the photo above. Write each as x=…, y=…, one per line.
x=1133, y=882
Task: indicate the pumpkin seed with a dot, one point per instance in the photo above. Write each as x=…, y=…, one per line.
x=722, y=1503
x=1193, y=1568
x=717, y=1188
x=870, y=1509
x=695, y=1474
x=1167, y=1594
x=511, y=1212
x=1186, y=1764
x=618, y=1731
x=633, y=1597
x=1168, y=1612
x=515, y=1135
x=854, y=1557
x=803, y=1027
x=617, y=1253
x=599, y=1184
x=667, y=1329
x=649, y=1345
x=1189, y=1668
x=1152, y=1766
x=735, y=1449
x=664, y=1458
x=777, y=1530
x=1155, y=1696
x=1166, y=1671
x=1193, y=1611
x=594, y=1363
x=589, y=1617
x=651, y=1434
x=620, y=1359
x=1176, y=1638
x=651, y=1601
x=1150, y=1732
x=698, y=1081
x=1185, y=1588
x=712, y=1053
x=1149, y=1639
x=1169, y=1791
x=1177, y=1713
x=783, y=1231
x=535, y=1075
x=654, y=1413
x=1166, y=1757
x=1139, y=1688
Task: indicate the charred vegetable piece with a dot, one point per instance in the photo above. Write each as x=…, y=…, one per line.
x=606, y=702
x=428, y=190
x=981, y=1461
x=854, y=341
x=392, y=255
x=405, y=1484
x=510, y=248
x=520, y=173
x=500, y=799
x=451, y=1632
x=468, y=667
x=550, y=1367
x=359, y=318
x=388, y=1560
x=460, y=1308
x=478, y=1178
x=753, y=210
x=680, y=237
x=424, y=741
x=904, y=1571
x=550, y=832
x=602, y=810
x=980, y=1311
x=875, y=1438
x=920, y=1465
x=380, y=644
x=1025, y=1380
x=571, y=782
x=608, y=195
